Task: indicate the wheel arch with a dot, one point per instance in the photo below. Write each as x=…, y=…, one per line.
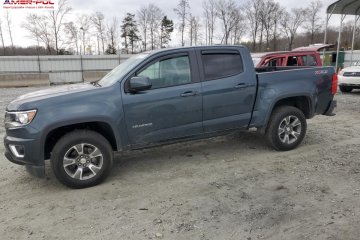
x=302, y=102
x=100, y=127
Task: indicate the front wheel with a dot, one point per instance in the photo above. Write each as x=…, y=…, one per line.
x=286, y=128
x=81, y=159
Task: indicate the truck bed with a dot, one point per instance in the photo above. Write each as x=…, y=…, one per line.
x=312, y=83
x=276, y=69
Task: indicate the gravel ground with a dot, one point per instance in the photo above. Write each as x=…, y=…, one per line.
x=232, y=187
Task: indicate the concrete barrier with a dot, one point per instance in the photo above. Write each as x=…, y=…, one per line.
x=24, y=80
x=63, y=69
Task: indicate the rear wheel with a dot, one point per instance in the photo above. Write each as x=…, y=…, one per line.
x=81, y=159
x=345, y=89
x=286, y=128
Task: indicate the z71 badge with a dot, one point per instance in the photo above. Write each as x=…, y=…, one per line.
x=319, y=72
x=142, y=125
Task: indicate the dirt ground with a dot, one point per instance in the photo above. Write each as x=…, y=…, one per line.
x=232, y=187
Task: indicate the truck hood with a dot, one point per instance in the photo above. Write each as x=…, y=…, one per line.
x=49, y=93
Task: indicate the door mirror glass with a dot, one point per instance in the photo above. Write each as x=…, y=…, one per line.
x=140, y=84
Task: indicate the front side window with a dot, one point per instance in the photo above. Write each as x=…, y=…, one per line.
x=274, y=62
x=169, y=72
x=221, y=65
x=308, y=60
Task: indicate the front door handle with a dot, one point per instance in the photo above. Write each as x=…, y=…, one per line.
x=188, y=94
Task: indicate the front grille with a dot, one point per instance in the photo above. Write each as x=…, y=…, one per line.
x=352, y=74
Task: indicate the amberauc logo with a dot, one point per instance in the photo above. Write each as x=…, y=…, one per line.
x=29, y=4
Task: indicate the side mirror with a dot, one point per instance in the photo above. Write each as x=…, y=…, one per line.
x=140, y=84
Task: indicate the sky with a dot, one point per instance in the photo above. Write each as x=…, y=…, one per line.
x=119, y=8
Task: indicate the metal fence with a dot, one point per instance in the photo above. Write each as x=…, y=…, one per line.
x=62, y=69
x=355, y=58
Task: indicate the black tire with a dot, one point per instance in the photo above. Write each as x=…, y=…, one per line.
x=345, y=89
x=90, y=165
x=278, y=123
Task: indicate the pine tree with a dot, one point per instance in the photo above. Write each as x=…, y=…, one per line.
x=110, y=49
x=167, y=27
x=130, y=32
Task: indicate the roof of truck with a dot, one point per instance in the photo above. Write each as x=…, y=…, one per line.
x=194, y=47
x=266, y=54
x=315, y=47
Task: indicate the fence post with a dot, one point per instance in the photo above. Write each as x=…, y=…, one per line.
x=119, y=54
x=82, y=68
x=39, y=63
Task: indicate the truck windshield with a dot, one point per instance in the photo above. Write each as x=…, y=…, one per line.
x=120, y=71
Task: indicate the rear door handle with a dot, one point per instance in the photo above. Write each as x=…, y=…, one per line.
x=188, y=94
x=244, y=85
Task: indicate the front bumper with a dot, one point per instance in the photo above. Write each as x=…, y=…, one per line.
x=37, y=171
x=331, y=108
x=30, y=154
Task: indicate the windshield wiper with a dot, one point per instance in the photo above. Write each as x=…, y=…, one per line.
x=95, y=83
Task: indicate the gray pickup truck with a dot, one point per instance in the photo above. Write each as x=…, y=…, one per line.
x=158, y=98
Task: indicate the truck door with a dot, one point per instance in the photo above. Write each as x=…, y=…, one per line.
x=229, y=90
x=172, y=108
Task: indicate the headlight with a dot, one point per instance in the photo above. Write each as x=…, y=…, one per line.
x=18, y=119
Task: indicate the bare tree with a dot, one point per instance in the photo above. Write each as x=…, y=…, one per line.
x=9, y=26
x=313, y=22
x=72, y=30
x=113, y=35
x=98, y=21
x=56, y=18
x=155, y=17
x=84, y=24
x=182, y=10
x=291, y=22
x=228, y=13
x=269, y=18
x=194, y=30
x=143, y=19
x=209, y=8
x=2, y=38
x=191, y=29
x=239, y=29
x=252, y=13
x=275, y=31
x=38, y=27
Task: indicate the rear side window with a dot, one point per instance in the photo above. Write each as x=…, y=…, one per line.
x=221, y=65
x=292, y=61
